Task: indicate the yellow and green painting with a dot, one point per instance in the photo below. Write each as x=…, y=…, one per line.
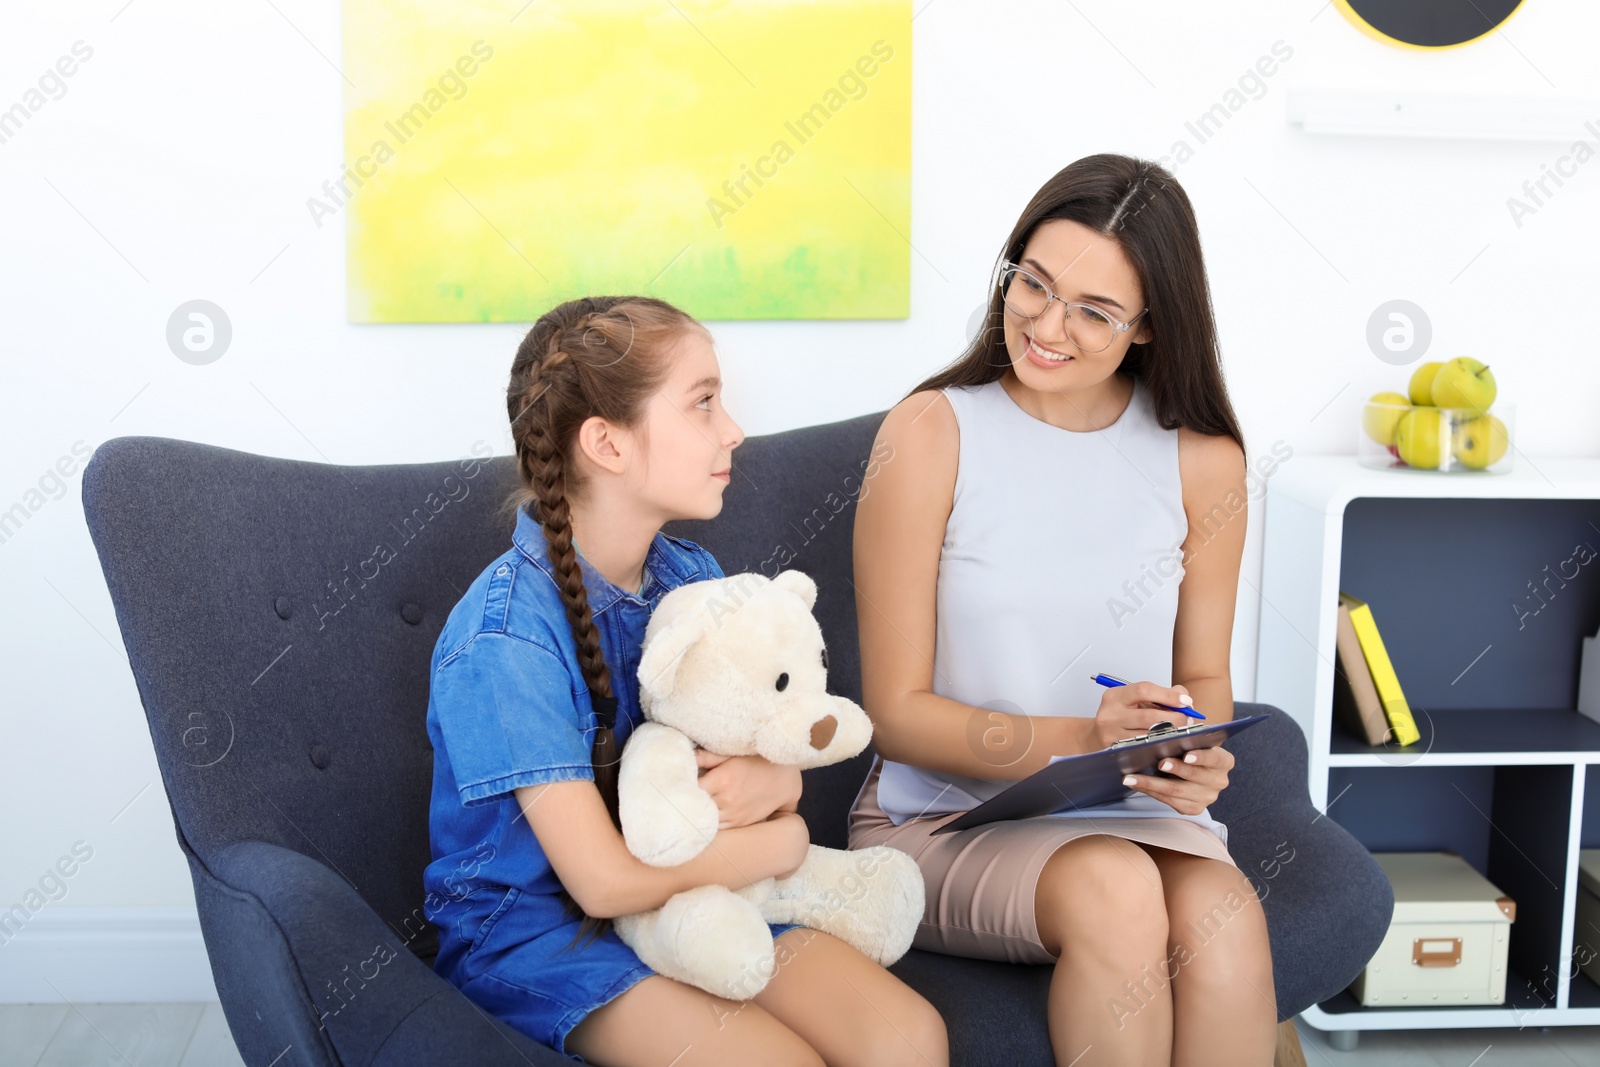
x=743, y=160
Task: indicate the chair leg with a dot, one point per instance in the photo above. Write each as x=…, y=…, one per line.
x=1288, y=1053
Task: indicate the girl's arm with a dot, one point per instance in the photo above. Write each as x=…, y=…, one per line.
x=588, y=855
x=900, y=523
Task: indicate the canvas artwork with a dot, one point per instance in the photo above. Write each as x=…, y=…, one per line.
x=743, y=160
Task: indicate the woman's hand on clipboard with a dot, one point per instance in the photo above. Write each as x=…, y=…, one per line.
x=1130, y=710
x=1199, y=777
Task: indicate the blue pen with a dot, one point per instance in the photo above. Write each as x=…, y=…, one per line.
x=1111, y=683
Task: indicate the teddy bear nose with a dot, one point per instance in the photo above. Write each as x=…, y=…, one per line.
x=822, y=731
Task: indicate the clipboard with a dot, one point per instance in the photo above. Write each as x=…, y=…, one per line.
x=1091, y=778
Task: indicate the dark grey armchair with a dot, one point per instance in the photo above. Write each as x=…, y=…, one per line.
x=279, y=618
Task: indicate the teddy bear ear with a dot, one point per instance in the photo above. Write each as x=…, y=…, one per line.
x=800, y=584
x=668, y=638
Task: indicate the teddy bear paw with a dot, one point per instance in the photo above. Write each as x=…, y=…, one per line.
x=871, y=898
x=707, y=937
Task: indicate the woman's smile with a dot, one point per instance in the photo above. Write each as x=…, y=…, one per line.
x=1044, y=357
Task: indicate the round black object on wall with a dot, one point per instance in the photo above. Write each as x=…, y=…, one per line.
x=1428, y=23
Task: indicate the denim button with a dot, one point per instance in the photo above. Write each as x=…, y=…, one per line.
x=412, y=613
x=319, y=757
x=281, y=606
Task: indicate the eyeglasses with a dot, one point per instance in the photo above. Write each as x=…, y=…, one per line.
x=1090, y=328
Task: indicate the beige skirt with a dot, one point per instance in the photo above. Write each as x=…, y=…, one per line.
x=980, y=882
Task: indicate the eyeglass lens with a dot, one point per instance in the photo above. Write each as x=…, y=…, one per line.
x=1026, y=295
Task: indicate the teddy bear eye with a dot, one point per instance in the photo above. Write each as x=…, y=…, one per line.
x=783, y=681
x=824, y=659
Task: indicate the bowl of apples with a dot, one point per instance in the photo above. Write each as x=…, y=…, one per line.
x=1441, y=423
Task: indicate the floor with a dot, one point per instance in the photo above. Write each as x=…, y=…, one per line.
x=196, y=1035
x=125, y=1035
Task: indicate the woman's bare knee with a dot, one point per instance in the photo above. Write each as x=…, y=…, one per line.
x=1219, y=928
x=1100, y=890
x=659, y=1019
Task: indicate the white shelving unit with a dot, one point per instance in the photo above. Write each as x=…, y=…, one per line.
x=1541, y=756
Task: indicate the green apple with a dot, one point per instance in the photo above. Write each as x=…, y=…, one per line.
x=1463, y=382
x=1419, y=439
x=1379, y=415
x=1422, y=383
x=1480, y=442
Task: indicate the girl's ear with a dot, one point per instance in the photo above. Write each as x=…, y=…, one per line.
x=597, y=442
x=800, y=584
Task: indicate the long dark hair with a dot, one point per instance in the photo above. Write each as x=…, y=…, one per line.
x=1140, y=205
x=599, y=356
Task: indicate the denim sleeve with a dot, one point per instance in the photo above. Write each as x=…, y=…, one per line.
x=509, y=717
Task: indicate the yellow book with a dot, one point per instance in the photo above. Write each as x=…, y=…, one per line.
x=1395, y=708
x=1355, y=697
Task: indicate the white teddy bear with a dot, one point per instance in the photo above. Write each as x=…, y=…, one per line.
x=737, y=666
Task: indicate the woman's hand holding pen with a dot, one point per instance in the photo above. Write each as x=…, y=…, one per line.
x=747, y=789
x=1130, y=710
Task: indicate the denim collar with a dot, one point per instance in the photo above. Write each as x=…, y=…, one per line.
x=667, y=565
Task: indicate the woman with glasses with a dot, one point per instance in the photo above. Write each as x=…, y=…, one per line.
x=1068, y=498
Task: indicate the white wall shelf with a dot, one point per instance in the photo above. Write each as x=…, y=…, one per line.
x=1440, y=557
x=1405, y=113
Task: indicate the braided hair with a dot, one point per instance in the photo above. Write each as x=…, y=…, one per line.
x=594, y=357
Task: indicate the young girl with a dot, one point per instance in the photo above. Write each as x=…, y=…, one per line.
x=1066, y=499
x=615, y=410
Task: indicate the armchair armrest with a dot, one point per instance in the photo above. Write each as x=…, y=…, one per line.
x=1327, y=901
x=309, y=974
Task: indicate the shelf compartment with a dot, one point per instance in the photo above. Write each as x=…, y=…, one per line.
x=1585, y=992
x=1480, y=605
x=1510, y=823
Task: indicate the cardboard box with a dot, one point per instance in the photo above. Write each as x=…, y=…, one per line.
x=1447, y=941
x=1586, y=932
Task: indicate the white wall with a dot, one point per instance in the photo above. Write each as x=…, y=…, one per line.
x=178, y=162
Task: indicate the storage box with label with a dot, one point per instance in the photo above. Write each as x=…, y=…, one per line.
x=1586, y=933
x=1447, y=941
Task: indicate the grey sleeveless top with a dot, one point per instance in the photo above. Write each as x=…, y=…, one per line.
x=1061, y=559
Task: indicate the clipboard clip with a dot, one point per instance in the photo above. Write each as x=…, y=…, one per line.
x=1158, y=732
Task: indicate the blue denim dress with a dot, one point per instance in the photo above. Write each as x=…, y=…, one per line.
x=508, y=707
